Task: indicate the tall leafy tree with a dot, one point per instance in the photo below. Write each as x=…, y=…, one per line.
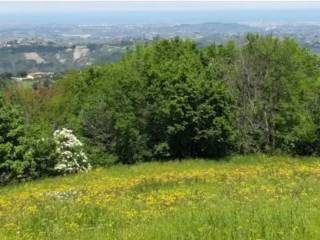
x=11, y=134
x=159, y=102
x=270, y=80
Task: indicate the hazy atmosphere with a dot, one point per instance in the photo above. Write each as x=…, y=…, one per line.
x=156, y=12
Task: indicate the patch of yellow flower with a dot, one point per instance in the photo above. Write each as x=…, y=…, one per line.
x=141, y=196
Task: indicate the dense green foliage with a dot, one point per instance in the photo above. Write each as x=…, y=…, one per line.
x=169, y=99
x=277, y=87
x=160, y=105
x=23, y=154
x=11, y=147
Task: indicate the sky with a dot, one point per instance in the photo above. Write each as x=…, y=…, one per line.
x=148, y=11
x=41, y=6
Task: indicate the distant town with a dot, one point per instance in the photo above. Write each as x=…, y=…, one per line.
x=45, y=50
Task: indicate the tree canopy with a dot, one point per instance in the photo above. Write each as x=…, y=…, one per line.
x=169, y=99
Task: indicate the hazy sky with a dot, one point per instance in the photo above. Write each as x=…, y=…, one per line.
x=101, y=12
x=98, y=6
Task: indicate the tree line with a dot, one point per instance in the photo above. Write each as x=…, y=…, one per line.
x=170, y=99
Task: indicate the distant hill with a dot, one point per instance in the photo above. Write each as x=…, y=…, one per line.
x=55, y=48
x=54, y=58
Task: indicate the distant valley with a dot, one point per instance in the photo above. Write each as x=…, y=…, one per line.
x=56, y=48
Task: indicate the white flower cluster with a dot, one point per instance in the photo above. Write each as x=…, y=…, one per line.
x=71, y=158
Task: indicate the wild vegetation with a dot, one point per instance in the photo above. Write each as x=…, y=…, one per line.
x=250, y=197
x=165, y=101
x=168, y=99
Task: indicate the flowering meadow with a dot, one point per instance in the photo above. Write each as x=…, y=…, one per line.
x=249, y=197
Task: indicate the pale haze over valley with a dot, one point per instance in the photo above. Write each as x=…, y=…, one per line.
x=57, y=35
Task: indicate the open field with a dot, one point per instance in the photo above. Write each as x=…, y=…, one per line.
x=253, y=197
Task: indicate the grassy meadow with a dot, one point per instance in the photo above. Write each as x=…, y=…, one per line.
x=249, y=197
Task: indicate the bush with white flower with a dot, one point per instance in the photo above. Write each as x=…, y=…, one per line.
x=70, y=155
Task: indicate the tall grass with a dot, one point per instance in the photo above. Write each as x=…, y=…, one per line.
x=253, y=197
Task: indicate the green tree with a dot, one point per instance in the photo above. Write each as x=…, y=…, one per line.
x=189, y=110
x=270, y=79
x=159, y=102
x=11, y=135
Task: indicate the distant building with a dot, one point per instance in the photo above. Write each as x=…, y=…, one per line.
x=20, y=79
x=37, y=75
x=34, y=76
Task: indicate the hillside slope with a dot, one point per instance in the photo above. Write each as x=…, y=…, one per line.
x=244, y=198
